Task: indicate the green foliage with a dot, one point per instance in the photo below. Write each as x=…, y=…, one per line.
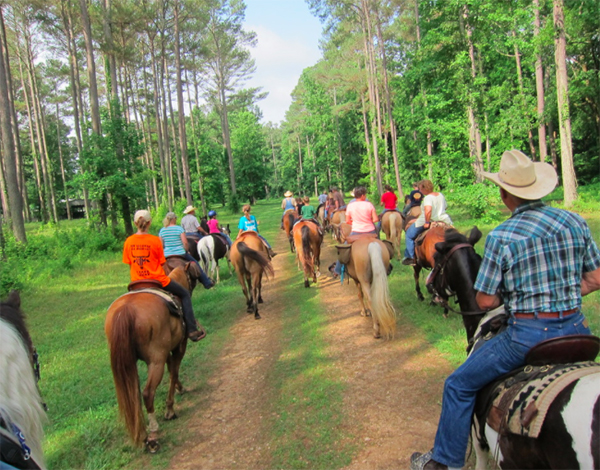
x=478, y=200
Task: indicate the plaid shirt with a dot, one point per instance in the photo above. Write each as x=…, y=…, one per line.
x=536, y=259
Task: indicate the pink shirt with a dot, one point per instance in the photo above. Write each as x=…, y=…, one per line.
x=213, y=225
x=360, y=215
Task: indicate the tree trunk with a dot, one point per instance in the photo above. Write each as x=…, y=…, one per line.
x=62, y=165
x=539, y=84
x=157, y=117
x=522, y=90
x=196, y=154
x=8, y=149
x=165, y=123
x=562, y=93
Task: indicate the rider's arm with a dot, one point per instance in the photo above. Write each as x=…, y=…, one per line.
x=201, y=230
x=374, y=216
x=427, y=215
x=590, y=282
x=183, y=240
x=487, y=302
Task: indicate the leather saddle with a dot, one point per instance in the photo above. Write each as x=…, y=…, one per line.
x=564, y=350
x=155, y=287
x=344, y=252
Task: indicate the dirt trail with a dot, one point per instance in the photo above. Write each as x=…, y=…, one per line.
x=393, y=388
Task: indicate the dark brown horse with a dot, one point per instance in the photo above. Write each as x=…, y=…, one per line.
x=308, y=239
x=139, y=326
x=570, y=434
x=289, y=219
x=251, y=260
x=369, y=267
x=424, y=252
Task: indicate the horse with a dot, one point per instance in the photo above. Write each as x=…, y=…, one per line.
x=139, y=326
x=21, y=408
x=211, y=249
x=324, y=221
x=391, y=224
x=569, y=435
x=251, y=260
x=337, y=218
x=425, y=250
x=369, y=266
x=289, y=219
x=308, y=239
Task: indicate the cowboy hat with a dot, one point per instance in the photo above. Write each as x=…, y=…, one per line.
x=189, y=209
x=523, y=178
x=288, y=194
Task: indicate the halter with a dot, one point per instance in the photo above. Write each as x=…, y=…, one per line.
x=440, y=269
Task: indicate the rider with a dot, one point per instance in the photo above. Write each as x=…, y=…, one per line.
x=361, y=215
x=539, y=262
x=433, y=209
x=389, y=201
x=308, y=210
x=175, y=242
x=323, y=202
x=288, y=204
x=190, y=223
x=144, y=254
x=213, y=225
x=249, y=223
x=415, y=199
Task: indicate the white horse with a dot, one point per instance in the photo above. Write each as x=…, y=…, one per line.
x=211, y=249
x=21, y=409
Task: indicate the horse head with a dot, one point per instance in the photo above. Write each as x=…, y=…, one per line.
x=456, y=268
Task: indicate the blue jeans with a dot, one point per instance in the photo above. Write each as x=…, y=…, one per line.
x=265, y=240
x=411, y=234
x=186, y=304
x=496, y=357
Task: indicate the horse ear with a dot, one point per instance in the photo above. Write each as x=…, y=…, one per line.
x=475, y=235
x=14, y=299
x=440, y=247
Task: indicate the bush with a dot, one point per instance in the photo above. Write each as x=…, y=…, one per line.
x=478, y=200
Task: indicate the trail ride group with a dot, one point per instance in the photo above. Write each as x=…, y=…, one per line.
x=528, y=392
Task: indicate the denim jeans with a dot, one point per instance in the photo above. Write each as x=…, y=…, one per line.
x=411, y=234
x=186, y=304
x=496, y=357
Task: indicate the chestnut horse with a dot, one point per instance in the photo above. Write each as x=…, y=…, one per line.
x=570, y=432
x=250, y=260
x=391, y=224
x=289, y=219
x=139, y=326
x=21, y=408
x=424, y=252
x=369, y=267
x=308, y=239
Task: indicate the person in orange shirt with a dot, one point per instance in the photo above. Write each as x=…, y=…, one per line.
x=143, y=252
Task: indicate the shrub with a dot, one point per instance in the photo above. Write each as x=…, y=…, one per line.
x=479, y=201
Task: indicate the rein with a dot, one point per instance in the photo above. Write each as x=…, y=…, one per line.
x=439, y=269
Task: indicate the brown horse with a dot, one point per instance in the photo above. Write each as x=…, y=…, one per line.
x=391, y=224
x=308, y=239
x=369, y=267
x=424, y=252
x=324, y=221
x=140, y=327
x=250, y=260
x=289, y=219
x=338, y=218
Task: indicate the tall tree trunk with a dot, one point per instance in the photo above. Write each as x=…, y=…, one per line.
x=174, y=133
x=157, y=117
x=62, y=165
x=165, y=123
x=522, y=90
x=196, y=154
x=227, y=137
x=8, y=148
x=181, y=111
x=562, y=94
x=367, y=141
x=539, y=83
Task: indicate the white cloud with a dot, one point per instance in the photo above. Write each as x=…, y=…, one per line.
x=279, y=64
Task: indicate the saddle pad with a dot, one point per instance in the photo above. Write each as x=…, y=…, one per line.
x=523, y=400
x=172, y=303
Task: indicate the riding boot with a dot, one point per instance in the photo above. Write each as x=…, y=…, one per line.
x=206, y=281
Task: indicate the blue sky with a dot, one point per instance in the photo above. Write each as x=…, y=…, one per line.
x=288, y=42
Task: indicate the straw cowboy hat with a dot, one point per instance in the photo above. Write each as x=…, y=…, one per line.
x=523, y=178
x=189, y=209
x=288, y=194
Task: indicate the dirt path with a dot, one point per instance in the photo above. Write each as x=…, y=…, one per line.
x=392, y=395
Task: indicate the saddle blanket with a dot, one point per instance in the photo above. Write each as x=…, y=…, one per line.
x=522, y=401
x=172, y=303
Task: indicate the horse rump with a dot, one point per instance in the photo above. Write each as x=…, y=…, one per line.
x=123, y=362
x=256, y=256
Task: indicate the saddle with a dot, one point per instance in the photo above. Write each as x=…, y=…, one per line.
x=344, y=252
x=319, y=228
x=419, y=240
x=151, y=286
x=517, y=403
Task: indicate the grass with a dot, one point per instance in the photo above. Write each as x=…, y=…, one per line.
x=66, y=307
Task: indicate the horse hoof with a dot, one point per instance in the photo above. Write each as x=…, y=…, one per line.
x=260, y=300
x=376, y=336
x=306, y=284
x=152, y=446
x=256, y=316
x=421, y=298
x=249, y=310
x=171, y=416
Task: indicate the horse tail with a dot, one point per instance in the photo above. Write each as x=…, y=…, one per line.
x=393, y=234
x=204, y=253
x=123, y=361
x=259, y=258
x=306, y=251
x=291, y=220
x=382, y=309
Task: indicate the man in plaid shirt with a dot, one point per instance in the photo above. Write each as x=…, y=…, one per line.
x=539, y=263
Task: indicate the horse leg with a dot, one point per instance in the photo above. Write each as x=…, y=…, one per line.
x=260, y=299
x=417, y=272
x=242, y=281
x=249, y=298
x=363, y=310
x=366, y=288
x=218, y=276
x=155, y=373
x=256, y=292
x=173, y=364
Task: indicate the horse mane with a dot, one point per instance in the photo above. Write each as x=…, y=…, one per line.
x=20, y=401
x=10, y=311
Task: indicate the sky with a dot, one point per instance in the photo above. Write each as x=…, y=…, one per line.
x=288, y=42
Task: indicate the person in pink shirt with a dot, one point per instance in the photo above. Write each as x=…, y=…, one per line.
x=213, y=225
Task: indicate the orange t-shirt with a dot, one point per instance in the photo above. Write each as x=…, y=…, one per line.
x=145, y=255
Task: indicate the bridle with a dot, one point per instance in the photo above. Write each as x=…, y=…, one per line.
x=439, y=269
